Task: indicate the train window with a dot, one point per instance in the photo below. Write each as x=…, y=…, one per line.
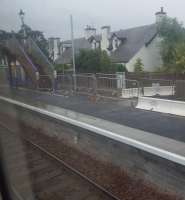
x=92, y=101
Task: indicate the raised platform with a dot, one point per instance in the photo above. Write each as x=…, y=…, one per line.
x=157, y=145
x=151, y=157
x=120, y=112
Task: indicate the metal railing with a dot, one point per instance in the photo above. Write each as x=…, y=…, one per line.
x=16, y=49
x=63, y=83
x=180, y=90
x=131, y=89
x=105, y=86
x=85, y=83
x=4, y=75
x=40, y=58
x=44, y=83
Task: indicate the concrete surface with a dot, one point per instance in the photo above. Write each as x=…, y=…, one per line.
x=148, y=91
x=162, y=105
x=159, y=90
x=117, y=149
x=120, y=112
x=154, y=144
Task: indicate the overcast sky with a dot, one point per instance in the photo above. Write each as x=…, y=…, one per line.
x=52, y=16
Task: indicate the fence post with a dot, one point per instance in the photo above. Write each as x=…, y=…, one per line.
x=123, y=80
x=94, y=84
x=120, y=76
x=74, y=82
x=16, y=78
x=37, y=79
x=173, y=87
x=54, y=81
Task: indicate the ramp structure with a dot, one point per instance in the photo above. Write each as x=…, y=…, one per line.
x=161, y=105
x=31, y=59
x=15, y=49
x=44, y=66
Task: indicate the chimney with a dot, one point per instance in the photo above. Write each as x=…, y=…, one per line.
x=160, y=15
x=89, y=31
x=54, y=47
x=105, y=37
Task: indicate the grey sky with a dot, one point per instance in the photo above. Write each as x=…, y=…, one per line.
x=52, y=16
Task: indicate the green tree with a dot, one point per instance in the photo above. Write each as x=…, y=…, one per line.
x=138, y=66
x=172, y=33
x=93, y=61
x=4, y=35
x=179, y=57
x=121, y=68
x=37, y=36
x=61, y=68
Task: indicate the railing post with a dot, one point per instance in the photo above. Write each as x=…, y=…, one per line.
x=138, y=89
x=54, y=81
x=94, y=84
x=16, y=81
x=37, y=79
x=74, y=82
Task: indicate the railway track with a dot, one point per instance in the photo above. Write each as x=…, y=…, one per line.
x=34, y=173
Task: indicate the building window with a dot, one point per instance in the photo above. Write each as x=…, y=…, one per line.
x=94, y=44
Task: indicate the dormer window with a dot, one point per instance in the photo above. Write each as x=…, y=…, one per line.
x=115, y=43
x=65, y=46
x=95, y=44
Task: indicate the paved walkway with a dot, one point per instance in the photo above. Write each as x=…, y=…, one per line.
x=167, y=148
x=120, y=112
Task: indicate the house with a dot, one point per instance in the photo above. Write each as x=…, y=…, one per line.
x=123, y=46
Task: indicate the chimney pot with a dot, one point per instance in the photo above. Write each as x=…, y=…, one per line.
x=89, y=31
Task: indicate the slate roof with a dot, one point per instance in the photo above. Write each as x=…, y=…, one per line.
x=66, y=57
x=135, y=39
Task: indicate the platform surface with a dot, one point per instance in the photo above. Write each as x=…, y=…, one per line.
x=164, y=147
x=120, y=112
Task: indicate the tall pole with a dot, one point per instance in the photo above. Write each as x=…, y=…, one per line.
x=22, y=15
x=73, y=52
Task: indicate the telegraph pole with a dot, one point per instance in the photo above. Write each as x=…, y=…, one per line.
x=73, y=52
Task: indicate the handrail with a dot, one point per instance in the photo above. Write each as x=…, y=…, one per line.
x=24, y=53
x=15, y=48
x=41, y=53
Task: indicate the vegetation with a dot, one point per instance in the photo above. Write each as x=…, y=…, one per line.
x=37, y=36
x=121, y=68
x=94, y=61
x=172, y=33
x=138, y=66
x=61, y=68
x=4, y=35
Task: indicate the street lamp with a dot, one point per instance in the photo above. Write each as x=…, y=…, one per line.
x=21, y=15
x=73, y=52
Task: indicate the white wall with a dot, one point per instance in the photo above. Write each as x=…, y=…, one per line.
x=150, y=56
x=54, y=47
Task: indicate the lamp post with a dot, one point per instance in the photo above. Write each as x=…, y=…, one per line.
x=22, y=15
x=73, y=52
